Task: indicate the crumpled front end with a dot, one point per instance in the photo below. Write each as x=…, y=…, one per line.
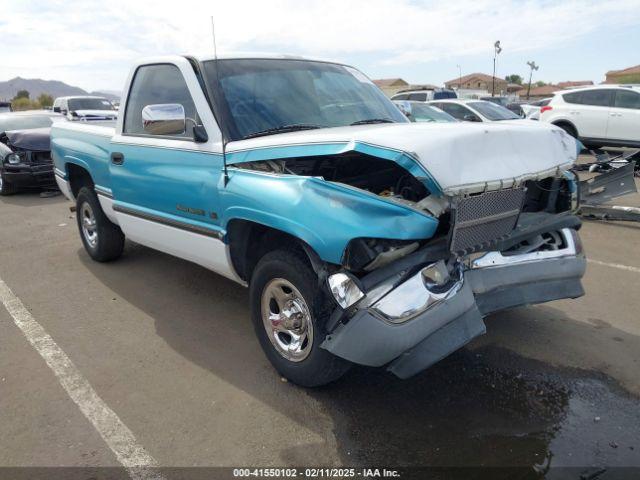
x=25, y=158
x=421, y=308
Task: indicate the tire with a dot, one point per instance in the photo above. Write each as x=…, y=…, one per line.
x=287, y=272
x=569, y=129
x=6, y=188
x=102, y=239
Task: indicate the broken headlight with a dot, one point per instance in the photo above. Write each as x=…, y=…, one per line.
x=574, y=189
x=368, y=254
x=14, y=158
x=345, y=289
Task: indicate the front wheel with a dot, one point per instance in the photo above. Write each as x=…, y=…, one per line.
x=102, y=239
x=289, y=311
x=6, y=188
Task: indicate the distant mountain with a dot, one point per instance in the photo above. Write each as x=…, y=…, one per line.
x=108, y=94
x=35, y=87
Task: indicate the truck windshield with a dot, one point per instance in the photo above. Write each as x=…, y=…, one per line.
x=89, y=104
x=267, y=96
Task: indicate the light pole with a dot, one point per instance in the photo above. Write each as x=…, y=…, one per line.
x=496, y=50
x=459, y=77
x=533, y=67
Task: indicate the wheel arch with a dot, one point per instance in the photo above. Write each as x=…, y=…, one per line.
x=78, y=176
x=249, y=241
x=568, y=123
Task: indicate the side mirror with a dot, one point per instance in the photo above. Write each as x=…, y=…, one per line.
x=164, y=119
x=56, y=109
x=470, y=117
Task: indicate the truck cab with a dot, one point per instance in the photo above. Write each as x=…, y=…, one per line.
x=363, y=238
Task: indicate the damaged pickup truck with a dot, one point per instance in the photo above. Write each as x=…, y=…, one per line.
x=363, y=238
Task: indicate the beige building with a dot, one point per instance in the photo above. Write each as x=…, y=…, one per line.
x=575, y=83
x=628, y=75
x=479, y=81
x=391, y=86
x=538, y=93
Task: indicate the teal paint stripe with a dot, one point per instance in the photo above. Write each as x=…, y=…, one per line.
x=285, y=151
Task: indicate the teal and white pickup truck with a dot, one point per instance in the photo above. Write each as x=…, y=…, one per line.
x=363, y=238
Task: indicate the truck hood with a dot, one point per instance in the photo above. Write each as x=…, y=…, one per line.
x=97, y=114
x=35, y=139
x=459, y=157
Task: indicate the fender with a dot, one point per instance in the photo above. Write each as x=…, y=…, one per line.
x=324, y=215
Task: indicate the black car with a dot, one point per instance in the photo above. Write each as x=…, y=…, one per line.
x=25, y=152
x=5, y=107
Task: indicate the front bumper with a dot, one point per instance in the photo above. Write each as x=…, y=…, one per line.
x=29, y=176
x=377, y=335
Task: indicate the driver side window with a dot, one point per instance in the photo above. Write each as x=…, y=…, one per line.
x=157, y=85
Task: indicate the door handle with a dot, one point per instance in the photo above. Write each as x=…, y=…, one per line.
x=117, y=158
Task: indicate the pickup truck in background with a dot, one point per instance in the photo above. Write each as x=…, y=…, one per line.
x=85, y=108
x=362, y=237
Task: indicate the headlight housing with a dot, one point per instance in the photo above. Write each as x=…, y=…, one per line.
x=574, y=189
x=14, y=158
x=345, y=289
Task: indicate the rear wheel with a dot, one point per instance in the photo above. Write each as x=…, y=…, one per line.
x=102, y=239
x=6, y=188
x=569, y=129
x=289, y=311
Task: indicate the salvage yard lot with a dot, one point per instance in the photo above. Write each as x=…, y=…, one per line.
x=169, y=347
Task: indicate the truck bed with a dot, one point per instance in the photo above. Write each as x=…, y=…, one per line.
x=86, y=144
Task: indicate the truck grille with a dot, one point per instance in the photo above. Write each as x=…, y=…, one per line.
x=481, y=220
x=41, y=157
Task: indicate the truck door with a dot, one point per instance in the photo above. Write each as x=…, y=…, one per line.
x=165, y=186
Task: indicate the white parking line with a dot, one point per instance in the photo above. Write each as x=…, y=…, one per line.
x=614, y=265
x=139, y=464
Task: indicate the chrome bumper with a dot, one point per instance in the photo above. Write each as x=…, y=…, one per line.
x=413, y=326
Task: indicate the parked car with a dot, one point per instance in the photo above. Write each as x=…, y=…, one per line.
x=25, y=159
x=532, y=110
x=363, y=238
x=425, y=95
x=597, y=115
x=85, y=108
x=475, y=110
x=5, y=107
x=507, y=103
x=420, y=112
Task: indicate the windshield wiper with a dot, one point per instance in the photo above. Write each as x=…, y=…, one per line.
x=373, y=120
x=283, y=128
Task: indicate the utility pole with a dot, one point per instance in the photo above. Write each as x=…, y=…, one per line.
x=533, y=67
x=496, y=50
x=459, y=77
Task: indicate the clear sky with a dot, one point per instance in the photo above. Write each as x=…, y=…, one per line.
x=92, y=44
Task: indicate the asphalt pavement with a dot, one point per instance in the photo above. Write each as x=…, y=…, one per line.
x=167, y=347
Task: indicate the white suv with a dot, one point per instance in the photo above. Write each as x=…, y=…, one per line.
x=602, y=115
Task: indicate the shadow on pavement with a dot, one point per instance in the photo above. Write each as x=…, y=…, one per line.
x=32, y=198
x=482, y=406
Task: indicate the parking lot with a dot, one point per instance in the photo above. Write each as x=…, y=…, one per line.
x=169, y=348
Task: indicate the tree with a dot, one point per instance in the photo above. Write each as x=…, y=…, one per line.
x=22, y=94
x=540, y=83
x=45, y=100
x=513, y=78
x=23, y=103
